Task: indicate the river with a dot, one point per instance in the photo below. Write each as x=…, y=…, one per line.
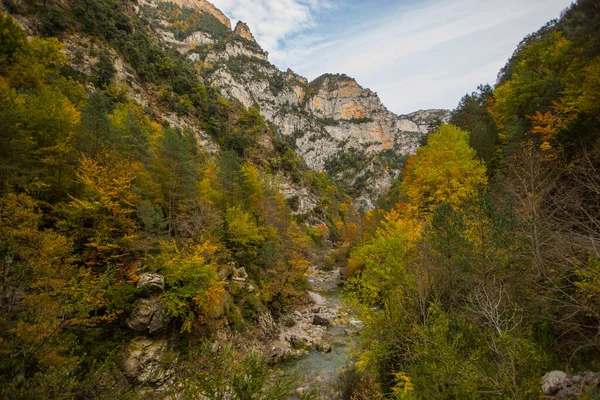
x=315, y=368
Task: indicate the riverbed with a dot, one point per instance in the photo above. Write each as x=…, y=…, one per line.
x=319, y=364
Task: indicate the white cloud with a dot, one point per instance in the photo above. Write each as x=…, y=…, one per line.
x=415, y=54
x=273, y=21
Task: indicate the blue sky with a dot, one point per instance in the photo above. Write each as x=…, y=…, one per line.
x=414, y=54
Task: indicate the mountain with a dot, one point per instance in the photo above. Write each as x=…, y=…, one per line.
x=334, y=124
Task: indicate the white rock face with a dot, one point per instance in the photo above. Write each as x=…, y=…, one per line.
x=329, y=118
x=232, y=50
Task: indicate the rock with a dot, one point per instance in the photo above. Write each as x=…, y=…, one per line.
x=240, y=273
x=148, y=315
x=591, y=379
x=317, y=299
x=555, y=381
x=316, y=309
x=241, y=29
x=298, y=314
x=319, y=320
x=144, y=361
x=298, y=341
x=324, y=347
x=151, y=283
x=567, y=393
x=249, y=288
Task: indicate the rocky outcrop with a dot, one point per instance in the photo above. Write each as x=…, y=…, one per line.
x=423, y=120
x=151, y=283
x=562, y=386
x=148, y=315
x=235, y=50
x=190, y=42
x=144, y=361
x=242, y=30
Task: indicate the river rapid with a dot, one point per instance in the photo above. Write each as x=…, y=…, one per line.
x=330, y=331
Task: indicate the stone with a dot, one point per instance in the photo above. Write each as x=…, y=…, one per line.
x=317, y=298
x=555, y=381
x=148, y=315
x=298, y=341
x=151, y=283
x=324, y=347
x=321, y=321
x=316, y=309
x=143, y=362
x=240, y=273
x=591, y=379
x=567, y=393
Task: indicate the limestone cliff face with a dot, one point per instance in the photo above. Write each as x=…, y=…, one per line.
x=337, y=126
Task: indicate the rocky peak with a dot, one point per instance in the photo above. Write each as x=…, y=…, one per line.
x=342, y=98
x=422, y=121
x=291, y=76
x=204, y=7
x=241, y=29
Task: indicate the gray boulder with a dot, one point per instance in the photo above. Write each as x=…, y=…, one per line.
x=151, y=283
x=148, y=315
x=319, y=320
x=555, y=381
x=298, y=341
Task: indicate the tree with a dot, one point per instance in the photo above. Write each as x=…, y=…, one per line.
x=472, y=115
x=445, y=170
x=104, y=69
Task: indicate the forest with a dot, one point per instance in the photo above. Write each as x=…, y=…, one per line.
x=478, y=274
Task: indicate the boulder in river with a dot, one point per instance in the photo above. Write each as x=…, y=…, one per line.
x=324, y=347
x=317, y=299
x=319, y=320
x=298, y=341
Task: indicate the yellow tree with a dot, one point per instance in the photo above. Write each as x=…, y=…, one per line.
x=102, y=219
x=446, y=170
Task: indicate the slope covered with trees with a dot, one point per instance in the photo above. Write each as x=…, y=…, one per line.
x=484, y=274
x=95, y=192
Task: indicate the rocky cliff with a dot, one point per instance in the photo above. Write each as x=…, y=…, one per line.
x=334, y=124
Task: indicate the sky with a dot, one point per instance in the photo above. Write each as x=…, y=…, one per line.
x=415, y=54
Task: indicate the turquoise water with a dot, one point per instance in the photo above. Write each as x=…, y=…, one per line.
x=316, y=369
